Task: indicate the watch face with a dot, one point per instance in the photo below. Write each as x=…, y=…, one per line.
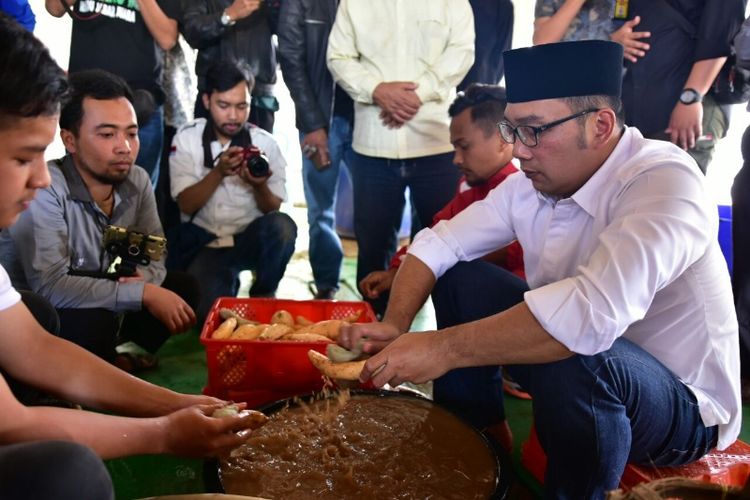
x=689, y=96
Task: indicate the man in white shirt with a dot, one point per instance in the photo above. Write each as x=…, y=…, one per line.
x=230, y=193
x=400, y=62
x=51, y=452
x=627, y=339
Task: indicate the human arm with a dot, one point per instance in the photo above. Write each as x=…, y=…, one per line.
x=33, y=356
x=717, y=26
x=343, y=59
x=265, y=199
x=162, y=27
x=203, y=28
x=686, y=121
x=449, y=68
x=550, y=26
x=292, y=58
x=193, y=198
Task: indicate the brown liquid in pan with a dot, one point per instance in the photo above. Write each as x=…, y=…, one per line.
x=362, y=447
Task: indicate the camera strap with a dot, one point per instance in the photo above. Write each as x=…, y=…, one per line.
x=241, y=138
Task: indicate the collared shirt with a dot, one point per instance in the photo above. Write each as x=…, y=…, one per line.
x=62, y=230
x=232, y=206
x=429, y=42
x=593, y=21
x=632, y=253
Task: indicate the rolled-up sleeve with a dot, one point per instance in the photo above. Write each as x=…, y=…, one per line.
x=481, y=228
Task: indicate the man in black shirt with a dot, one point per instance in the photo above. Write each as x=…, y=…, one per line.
x=666, y=93
x=125, y=38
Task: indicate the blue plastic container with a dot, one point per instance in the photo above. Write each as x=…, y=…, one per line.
x=725, y=233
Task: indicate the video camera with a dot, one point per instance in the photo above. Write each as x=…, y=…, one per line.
x=132, y=247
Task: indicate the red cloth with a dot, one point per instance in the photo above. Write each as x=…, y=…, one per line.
x=514, y=255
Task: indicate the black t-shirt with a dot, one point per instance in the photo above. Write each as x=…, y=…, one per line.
x=111, y=35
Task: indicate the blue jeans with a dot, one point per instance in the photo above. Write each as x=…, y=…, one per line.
x=593, y=414
x=378, y=185
x=265, y=246
x=326, y=252
x=151, y=137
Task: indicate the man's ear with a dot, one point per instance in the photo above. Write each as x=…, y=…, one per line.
x=69, y=140
x=605, y=124
x=206, y=100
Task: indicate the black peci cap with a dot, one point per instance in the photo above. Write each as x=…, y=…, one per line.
x=565, y=69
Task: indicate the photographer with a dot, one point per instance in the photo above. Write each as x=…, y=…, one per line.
x=56, y=248
x=228, y=178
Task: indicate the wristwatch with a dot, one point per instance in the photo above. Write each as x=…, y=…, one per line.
x=690, y=96
x=226, y=20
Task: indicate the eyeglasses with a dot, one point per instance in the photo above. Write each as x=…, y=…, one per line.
x=529, y=135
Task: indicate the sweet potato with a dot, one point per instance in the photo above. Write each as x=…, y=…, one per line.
x=275, y=332
x=330, y=328
x=341, y=371
x=248, y=332
x=306, y=337
x=224, y=331
x=282, y=317
x=353, y=317
x=225, y=313
x=302, y=321
x=256, y=419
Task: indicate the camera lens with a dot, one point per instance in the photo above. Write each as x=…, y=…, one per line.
x=258, y=166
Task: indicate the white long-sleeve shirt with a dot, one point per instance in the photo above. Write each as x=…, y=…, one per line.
x=428, y=42
x=633, y=253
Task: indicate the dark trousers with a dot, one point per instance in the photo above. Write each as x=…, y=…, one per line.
x=593, y=414
x=100, y=330
x=265, y=247
x=53, y=469
x=741, y=252
x=378, y=185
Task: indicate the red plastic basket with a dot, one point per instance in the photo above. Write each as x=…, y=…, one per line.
x=258, y=372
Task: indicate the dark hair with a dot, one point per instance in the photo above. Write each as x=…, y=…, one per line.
x=487, y=103
x=225, y=75
x=581, y=103
x=95, y=84
x=32, y=84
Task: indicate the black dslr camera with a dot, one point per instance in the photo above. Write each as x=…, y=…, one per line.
x=132, y=247
x=256, y=161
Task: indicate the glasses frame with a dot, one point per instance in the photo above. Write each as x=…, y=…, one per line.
x=538, y=130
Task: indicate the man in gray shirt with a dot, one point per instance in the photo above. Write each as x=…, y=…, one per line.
x=56, y=250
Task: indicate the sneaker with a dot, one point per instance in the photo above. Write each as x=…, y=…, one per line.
x=513, y=388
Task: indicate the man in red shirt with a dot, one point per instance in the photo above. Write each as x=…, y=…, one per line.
x=484, y=160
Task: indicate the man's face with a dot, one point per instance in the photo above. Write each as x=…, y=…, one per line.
x=477, y=155
x=107, y=144
x=558, y=165
x=22, y=166
x=229, y=110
